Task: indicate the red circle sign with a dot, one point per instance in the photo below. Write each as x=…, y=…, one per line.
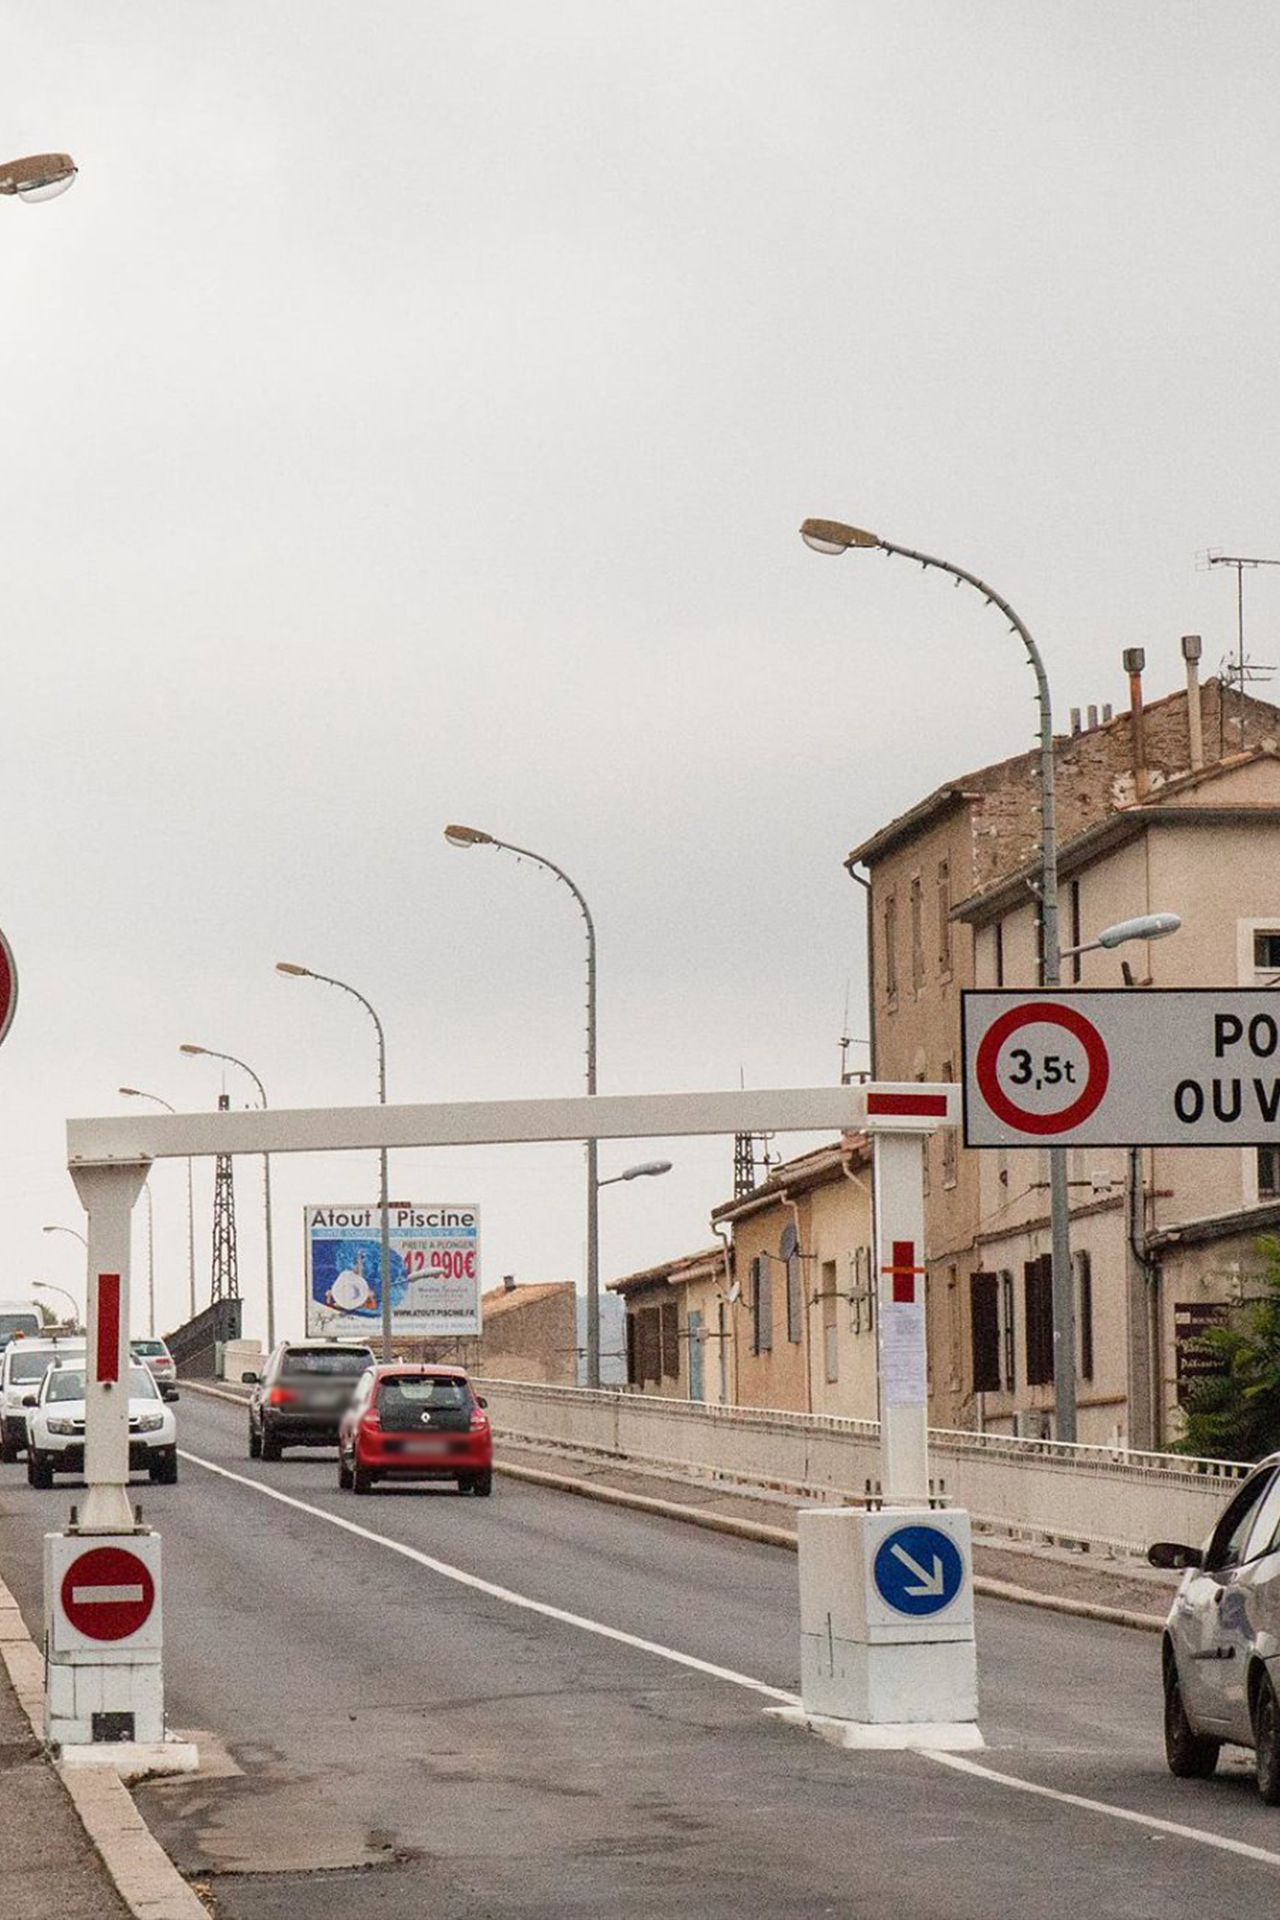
x=108, y=1593
x=8, y=986
x=1042, y=1013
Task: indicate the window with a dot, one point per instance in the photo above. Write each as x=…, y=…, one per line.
x=944, y=915
x=1231, y=1532
x=648, y=1347
x=1007, y=1345
x=917, y=933
x=1268, y=1173
x=1084, y=1313
x=891, y=947
x=1037, y=1280
x=1266, y=950
x=761, y=1305
x=830, y=1329
x=949, y=1142
x=670, y=1336
x=694, y=1323
x=984, y=1323
x=790, y=1251
x=1073, y=907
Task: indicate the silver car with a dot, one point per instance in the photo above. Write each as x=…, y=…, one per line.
x=1221, y=1648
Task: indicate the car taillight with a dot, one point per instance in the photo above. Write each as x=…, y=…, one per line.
x=281, y=1396
x=371, y=1421
x=479, y=1421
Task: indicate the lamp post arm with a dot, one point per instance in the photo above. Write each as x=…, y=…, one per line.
x=1052, y=965
x=540, y=860
x=329, y=981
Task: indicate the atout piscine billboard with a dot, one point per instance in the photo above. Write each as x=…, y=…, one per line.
x=435, y=1269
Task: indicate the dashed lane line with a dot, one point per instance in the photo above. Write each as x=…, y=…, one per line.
x=1198, y=1835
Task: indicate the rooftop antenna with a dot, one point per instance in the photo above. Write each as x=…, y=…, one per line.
x=1240, y=672
x=848, y=1040
x=744, y=1154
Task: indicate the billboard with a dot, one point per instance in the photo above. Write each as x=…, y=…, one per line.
x=435, y=1269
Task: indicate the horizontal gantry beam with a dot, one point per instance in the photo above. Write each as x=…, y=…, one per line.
x=138, y=1136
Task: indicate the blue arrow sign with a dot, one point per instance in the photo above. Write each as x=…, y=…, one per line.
x=918, y=1570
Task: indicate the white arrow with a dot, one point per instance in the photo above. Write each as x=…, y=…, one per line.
x=930, y=1584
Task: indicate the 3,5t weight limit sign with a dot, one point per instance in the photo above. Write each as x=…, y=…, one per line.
x=1126, y=1067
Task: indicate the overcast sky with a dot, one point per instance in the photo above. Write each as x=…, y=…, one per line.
x=407, y=418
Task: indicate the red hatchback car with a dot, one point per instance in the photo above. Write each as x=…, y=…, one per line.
x=415, y=1423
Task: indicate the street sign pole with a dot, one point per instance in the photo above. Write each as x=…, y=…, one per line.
x=898, y=1175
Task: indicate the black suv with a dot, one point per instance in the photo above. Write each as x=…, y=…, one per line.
x=302, y=1394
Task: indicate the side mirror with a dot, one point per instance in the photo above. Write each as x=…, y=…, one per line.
x=248, y=1379
x=169, y=1393
x=1167, y=1553
x=481, y=1401
x=30, y=1399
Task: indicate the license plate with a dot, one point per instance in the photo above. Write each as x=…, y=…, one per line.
x=429, y=1443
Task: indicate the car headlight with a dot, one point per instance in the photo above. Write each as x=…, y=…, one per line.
x=150, y=1423
x=62, y=1426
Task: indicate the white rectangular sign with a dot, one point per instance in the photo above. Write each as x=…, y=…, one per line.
x=435, y=1270
x=1158, y=1067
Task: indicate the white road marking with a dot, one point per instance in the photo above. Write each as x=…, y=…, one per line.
x=512, y=1599
x=1151, y=1820
x=954, y=1761
x=96, y=1596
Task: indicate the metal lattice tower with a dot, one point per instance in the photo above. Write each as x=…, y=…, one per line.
x=226, y=1279
x=744, y=1164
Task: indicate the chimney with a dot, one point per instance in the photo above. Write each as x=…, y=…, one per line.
x=1106, y=715
x=1075, y=720
x=1134, y=661
x=1191, y=654
x=508, y=1283
x=1093, y=718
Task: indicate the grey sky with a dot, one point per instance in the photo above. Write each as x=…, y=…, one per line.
x=407, y=417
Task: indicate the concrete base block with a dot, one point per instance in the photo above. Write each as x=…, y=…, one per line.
x=133, y=1759
x=937, y=1736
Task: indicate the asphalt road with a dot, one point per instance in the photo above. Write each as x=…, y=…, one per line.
x=408, y=1737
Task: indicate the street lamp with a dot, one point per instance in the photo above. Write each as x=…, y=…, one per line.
x=40, y=176
x=73, y=1231
x=647, y=1169
x=473, y=837
x=212, y=1053
x=45, y=1286
x=136, y=1093
x=833, y=536
x=306, y=973
x=1147, y=926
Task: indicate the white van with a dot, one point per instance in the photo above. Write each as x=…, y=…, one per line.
x=24, y=1366
x=19, y=1317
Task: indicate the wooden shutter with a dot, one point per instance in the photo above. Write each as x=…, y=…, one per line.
x=633, y=1378
x=1084, y=1311
x=670, y=1340
x=762, y=1305
x=650, y=1345
x=1038, y=1283
x=789, y=1248
x=984, y=1317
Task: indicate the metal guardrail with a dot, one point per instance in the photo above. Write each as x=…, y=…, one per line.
x=1111, y=1498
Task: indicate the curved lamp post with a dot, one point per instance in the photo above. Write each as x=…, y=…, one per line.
x=46, y=1286
x=40, y=176
x=473, y=837
x=211, y=1053
x=833, y=536
x=136, y=1093
x=327, y=979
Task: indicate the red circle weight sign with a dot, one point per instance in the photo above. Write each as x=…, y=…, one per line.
x=108, y=1593
x=1083, y=1100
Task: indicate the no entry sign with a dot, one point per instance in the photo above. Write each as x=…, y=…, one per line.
x=1122, y=1067
x=108, y=1593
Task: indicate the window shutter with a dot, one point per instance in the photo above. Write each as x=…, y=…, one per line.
x=650, y=1351
x=789, y=1248
x=633, y=1379
x=1038, y=1283
x=670, y=1340
x=1084, y=1272
x=984, y=1315
x=762, y=1297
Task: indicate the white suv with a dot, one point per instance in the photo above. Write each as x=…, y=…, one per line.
x=56, y=1444
x=24, y=1366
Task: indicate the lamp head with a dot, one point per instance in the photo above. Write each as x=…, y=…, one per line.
x=1147, y=926
x=40, y=176
x=134, y=1093
x=287, y=966
x=833, y=536
x=646, y=1169
x=467, y=837
x=187, y=1047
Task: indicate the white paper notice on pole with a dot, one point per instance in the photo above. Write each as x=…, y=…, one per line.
x=903, y=1372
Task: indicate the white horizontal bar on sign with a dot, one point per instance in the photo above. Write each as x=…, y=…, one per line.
x=143, y=1136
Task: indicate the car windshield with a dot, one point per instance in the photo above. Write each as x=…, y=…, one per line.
x=11, y=1323
x=32, y=1363
x=67, y=1383
x=327, y=1360
x=148, y=1349
x=406, y=1391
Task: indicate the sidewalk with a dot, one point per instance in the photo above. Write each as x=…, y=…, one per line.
x=48, y=1869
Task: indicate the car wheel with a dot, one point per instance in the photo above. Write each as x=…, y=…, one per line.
x=164, y=1469
x=271, y=1447
x=39, y=1469
x=255, y=1443
x=1191, y=1755
x=362, y=1480
x=466, y=1482
x=344, y=1473
x=1266, y=1742
x=8, y=1448
x=482, y=1483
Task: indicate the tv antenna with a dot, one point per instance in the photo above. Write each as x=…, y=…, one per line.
x=848, y=1040
x=1242, y=672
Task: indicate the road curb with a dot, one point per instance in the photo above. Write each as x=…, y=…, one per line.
x=768, y=1536
x=142, y=1872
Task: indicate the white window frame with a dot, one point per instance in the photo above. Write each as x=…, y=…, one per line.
x=1247, y=975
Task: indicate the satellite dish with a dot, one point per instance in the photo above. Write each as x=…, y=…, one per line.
x=735, y=1294
x=789, y=1245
